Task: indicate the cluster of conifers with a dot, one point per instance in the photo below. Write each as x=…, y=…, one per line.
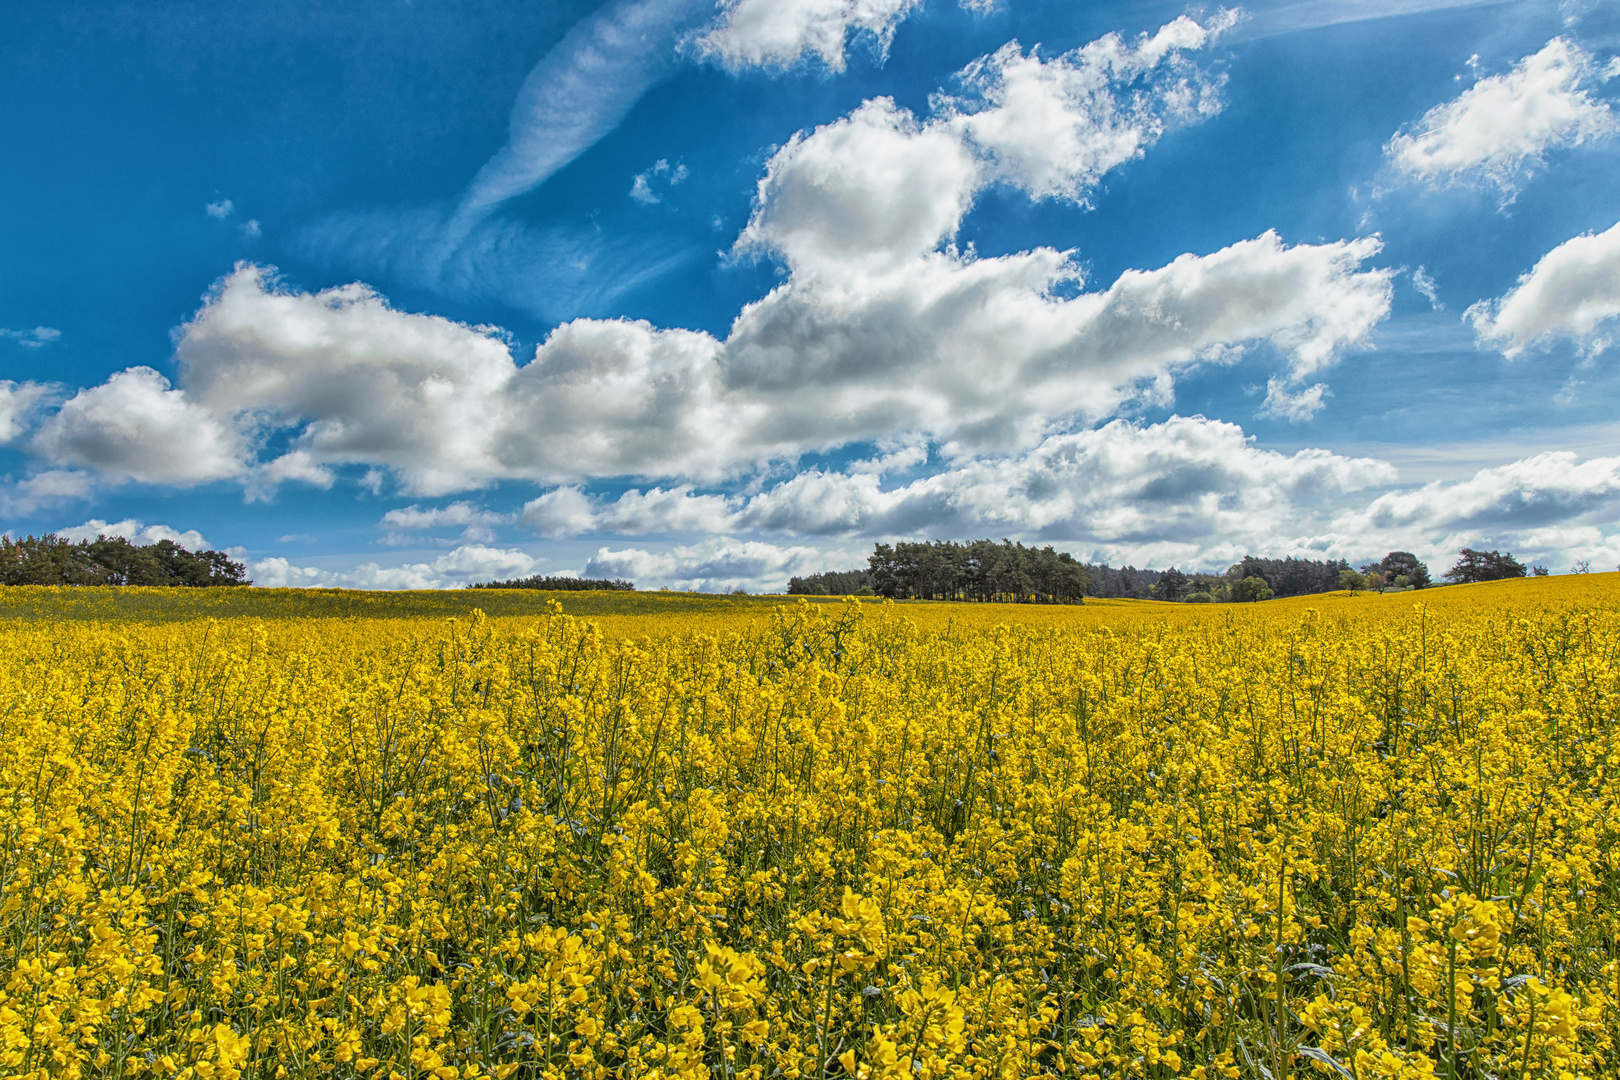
x=113, y=560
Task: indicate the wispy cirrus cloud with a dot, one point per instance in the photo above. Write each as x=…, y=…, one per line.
x=577, y=93
x=31, y=339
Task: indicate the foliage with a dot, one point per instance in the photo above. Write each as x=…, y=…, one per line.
x=559, y=584
x=1475, y=566
x=1352, y=580
x=1249, y=590
x=1125, y=582
x=1172, y=585
x=981, y=570
x=1399, y=564
x=1291, y=576
x=1368, y=838
x=832, y=583
x=113, y=560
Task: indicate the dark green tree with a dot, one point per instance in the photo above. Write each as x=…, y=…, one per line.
x=1172, y=585
x=1405, y=564
x=1485, y=566
x=1249, y=589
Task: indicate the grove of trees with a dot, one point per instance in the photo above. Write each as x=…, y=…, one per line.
x=1485, y=566
x=979, y=571
x=559, y=584
x=113, y=560
x=984, y=570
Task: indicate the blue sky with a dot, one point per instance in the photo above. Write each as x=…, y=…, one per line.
x=709, y=294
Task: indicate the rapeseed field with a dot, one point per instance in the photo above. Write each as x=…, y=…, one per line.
x=1363, y=837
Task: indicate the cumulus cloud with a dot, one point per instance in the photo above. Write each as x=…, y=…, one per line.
x=1533, y=492
x=1055, y=127
x=779, y=33
x=1573, y=292
x=136, y=533
x=813, y=365
x=135, y=427
x=568, y=511
x=453, y=569
x=717, y=565
x=478, y=524
x=296, y=466
x=19, y=405
x=220, y=210
x=883, y=327
x=1180, y=486
x=1499, y=129
x=48, y=488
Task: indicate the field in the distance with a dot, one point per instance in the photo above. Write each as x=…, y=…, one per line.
x=286, y=833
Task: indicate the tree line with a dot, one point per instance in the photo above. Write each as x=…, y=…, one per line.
x=113, y=560
x=559, y=584
x=983, y=570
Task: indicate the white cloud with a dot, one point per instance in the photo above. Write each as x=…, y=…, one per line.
x=278, y=573
x=1537, y=491
x=778, y=33
x=220, y=210
x=906, y=350
x=1055, y=127
x=251, y=229
x=454, y=569
x=48, y=488
x=1291, y=404
x=362, y=381
x=863, y=194
x=31, y=339
x=1573, y=291
x=294, y=466
x=135, y=533
x=568, y=511
x=477, y=524
x=1179, y=487
x=1423, y=283
x=19, y=403
x=662, y=174
x=717, y=565
x=1500, y=128
x=134, y=427
x=642, y=192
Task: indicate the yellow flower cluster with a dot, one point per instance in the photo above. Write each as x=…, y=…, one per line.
x=1358, y=837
